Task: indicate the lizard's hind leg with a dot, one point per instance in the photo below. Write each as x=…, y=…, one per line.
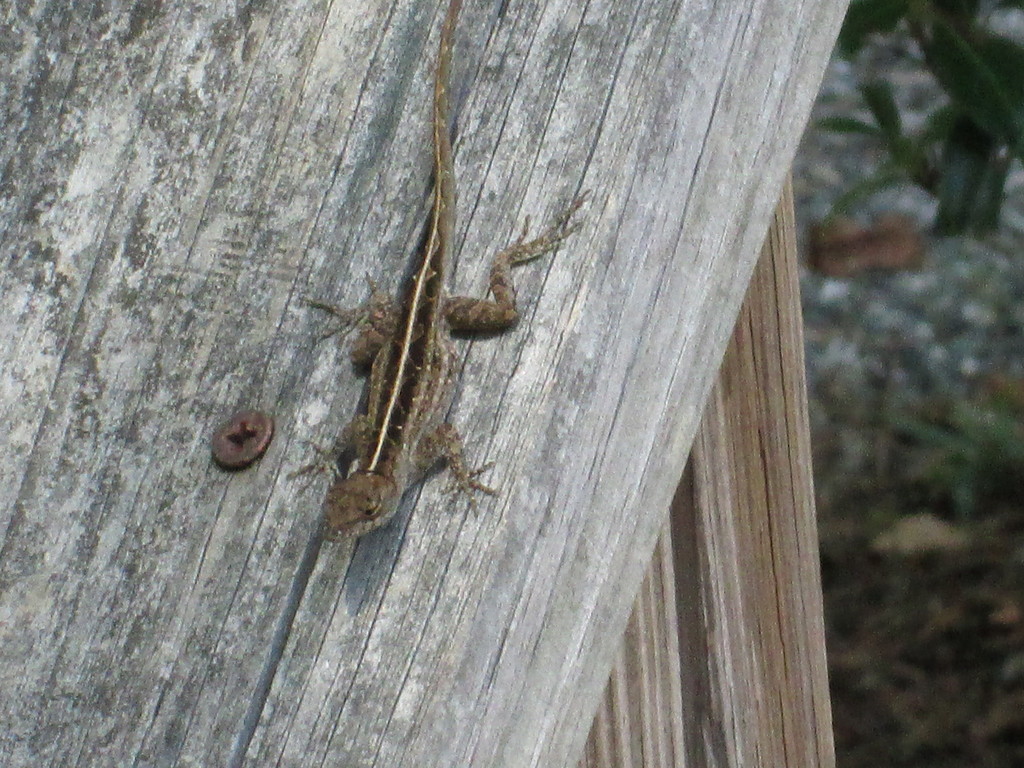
x=464, y=313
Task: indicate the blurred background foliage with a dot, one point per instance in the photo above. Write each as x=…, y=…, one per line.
x=914, y=330
x=963, y=150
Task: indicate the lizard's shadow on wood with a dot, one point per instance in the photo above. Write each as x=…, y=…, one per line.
x=373, y=558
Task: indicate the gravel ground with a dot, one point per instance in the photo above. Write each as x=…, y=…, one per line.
x=883, y=341
x=931, y=330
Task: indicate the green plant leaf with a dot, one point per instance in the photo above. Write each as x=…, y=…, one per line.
x=866, y=16
x=974, y=78
x=878, y=96
x=972, y=182
x=938, y=124
x=969, y=453
x=887, y=175
x=908, y=153
x=1005, y=58
x=839, y=124
x=912, y=156
x=966, y=9
x=989, y=201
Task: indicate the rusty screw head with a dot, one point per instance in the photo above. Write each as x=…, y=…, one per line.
x=237, y=443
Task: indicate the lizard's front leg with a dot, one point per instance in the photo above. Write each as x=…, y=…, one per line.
x=445, y=443
x=354, y=437
x=376, y=320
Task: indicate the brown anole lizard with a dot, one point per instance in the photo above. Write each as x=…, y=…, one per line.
x=408, y=349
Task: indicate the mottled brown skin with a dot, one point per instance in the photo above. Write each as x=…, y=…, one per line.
x=411, y=358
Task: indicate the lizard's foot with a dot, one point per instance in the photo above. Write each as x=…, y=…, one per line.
x=446, y=443
x=375, y=314
x=345, y=319
x=523, y=250
x=464, y=480
x=326, y=463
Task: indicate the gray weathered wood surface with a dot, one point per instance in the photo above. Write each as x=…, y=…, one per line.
x=173, y=178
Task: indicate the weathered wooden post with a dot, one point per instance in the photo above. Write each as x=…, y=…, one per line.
x=176, y=177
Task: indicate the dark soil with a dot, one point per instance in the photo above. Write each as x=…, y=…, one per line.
x=926, y=651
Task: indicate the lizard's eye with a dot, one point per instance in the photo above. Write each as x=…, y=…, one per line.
x=372, y=511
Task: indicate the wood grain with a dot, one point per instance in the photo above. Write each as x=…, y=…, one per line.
x=759, y=594
x=723, y=661
x=640, y=721
x=175, y=177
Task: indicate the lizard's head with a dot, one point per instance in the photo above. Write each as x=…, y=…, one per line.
x=359, y=503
